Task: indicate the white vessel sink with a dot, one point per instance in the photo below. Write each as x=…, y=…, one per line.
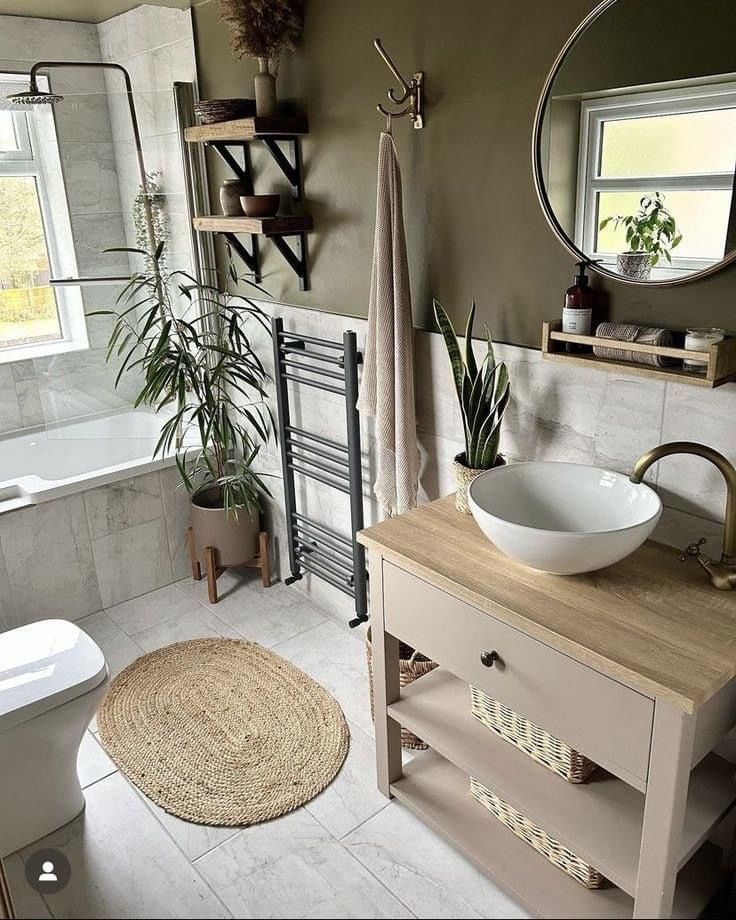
x=563, y=518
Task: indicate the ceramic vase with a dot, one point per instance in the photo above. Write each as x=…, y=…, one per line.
x=634, y=265
x=231, y=192
x=265, y=86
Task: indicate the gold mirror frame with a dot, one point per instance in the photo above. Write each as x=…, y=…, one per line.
x=541, y=190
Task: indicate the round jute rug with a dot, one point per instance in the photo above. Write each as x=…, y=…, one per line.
x=223, y=731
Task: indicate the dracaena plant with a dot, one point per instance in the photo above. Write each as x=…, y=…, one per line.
x=653, y=229
x=188, y=344
x=482, y=391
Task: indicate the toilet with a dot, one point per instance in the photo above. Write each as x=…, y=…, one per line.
x=52, y=679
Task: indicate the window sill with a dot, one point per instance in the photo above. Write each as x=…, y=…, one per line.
x=15, y=353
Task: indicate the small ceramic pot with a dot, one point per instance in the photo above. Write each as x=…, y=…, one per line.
x=231, y=191
x=265, y=86
x=234, y=539
x=464, y=475
x=634, y=265
x=260, y=205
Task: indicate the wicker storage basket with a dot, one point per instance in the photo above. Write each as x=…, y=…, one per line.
x=540, y=840
x=412, y=666
x=214, y=111
x=529, y=738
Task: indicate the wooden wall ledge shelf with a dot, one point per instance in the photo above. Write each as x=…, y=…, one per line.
x=247, y=129
x=721, y=357
x=265, y=226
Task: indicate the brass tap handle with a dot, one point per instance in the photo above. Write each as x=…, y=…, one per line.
x=692, y=550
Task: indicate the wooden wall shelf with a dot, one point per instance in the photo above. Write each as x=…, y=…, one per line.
x=266, y=226
x=246, y=129
x=721, y=357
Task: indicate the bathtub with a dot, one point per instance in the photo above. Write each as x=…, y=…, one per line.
x=75, y=456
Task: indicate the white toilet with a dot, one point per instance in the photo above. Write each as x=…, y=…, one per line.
x=52, y=679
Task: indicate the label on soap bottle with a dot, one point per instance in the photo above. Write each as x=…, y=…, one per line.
x=577, y=320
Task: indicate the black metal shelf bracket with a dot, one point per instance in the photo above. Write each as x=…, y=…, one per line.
x=296, y=257
x=314, y=548
x=291, y=168
x=250, y=258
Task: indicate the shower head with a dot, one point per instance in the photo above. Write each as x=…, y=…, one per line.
x=35, y=96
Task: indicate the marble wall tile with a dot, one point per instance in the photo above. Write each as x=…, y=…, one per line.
x=91, y=177
x=293, y=867
x=10, y=418
x=132, y=562
x=31, y=39
x=123, y=504
x=49, y=561
x=29, y=403
x=124, y=864
x=8, y=615
x=177, y=514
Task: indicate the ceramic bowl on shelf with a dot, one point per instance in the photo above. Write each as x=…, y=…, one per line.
x=563, y=518
x=260, y=205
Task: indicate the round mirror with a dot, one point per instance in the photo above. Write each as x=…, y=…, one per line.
x=635, y=140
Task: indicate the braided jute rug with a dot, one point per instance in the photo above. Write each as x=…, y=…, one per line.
x=223, y=731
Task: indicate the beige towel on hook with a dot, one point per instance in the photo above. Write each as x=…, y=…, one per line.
x=387, y=389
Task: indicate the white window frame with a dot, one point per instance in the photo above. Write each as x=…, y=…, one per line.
x=39, y=158
x=612, y=107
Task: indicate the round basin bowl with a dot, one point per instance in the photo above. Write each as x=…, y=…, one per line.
x=563, y=518
x=260, y=205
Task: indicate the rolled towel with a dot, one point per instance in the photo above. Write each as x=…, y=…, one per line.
x=643, y=335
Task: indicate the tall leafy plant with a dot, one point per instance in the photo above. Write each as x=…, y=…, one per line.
x=482, y=391
x=652, y=229
x=189, y=345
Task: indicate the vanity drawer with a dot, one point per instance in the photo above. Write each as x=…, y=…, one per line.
x=608, y=722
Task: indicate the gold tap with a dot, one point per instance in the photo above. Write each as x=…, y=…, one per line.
x=722, y=574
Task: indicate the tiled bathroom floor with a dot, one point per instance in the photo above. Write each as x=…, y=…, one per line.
x=347, y=853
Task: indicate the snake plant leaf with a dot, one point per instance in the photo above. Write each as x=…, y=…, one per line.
x=453, y=348
x=489, y=434
x=470, y=361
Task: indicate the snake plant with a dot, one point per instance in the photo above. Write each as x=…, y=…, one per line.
x=482, y=391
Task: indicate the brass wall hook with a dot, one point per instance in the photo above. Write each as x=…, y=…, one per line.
x=413, y=91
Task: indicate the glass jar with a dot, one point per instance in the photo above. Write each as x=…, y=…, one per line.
x=700, y=339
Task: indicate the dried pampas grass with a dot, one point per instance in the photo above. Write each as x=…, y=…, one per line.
x=262, y=28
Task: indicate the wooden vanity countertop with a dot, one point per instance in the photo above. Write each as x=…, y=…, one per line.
x=650, y=621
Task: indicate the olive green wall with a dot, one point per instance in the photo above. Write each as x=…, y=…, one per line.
x=474, y=226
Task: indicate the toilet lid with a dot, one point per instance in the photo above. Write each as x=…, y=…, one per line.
x=43, y=665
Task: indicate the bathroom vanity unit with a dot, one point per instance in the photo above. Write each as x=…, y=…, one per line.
x=634, y=666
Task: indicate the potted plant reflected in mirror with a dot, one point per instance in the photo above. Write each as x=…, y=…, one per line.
x=483, y=395
x=651, y=233
x=188, y=347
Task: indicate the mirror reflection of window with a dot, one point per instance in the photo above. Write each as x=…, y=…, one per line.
x=681, y=143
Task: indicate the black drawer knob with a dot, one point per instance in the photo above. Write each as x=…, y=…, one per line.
x=488, y=659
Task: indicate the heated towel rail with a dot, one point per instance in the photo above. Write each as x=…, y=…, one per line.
x=315, y=548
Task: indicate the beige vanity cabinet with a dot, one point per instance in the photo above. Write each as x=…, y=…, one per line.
x=634, y=666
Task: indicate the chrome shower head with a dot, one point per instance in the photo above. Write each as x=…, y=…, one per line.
x=35, y=96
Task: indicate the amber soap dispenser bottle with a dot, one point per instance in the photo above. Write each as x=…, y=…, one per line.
x=577, y=314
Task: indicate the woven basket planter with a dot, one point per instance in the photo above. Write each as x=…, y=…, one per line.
x=540, y=840
x=529, y=738
x=412, y=666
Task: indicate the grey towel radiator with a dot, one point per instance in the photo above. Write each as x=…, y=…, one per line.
x=315, y=548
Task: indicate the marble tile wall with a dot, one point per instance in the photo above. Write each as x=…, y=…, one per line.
x=74, y=556
x=74, y=384
x=557, y=412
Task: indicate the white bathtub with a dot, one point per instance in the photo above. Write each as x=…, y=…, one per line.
x=75, y=456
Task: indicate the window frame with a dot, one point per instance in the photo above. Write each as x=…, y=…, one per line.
x=40, y=159
x=673, y=100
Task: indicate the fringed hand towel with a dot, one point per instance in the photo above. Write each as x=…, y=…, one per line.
x=387, y=390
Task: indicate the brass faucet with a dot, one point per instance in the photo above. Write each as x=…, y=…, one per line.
x=722, y=574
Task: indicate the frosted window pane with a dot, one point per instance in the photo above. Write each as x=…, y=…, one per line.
x=689, y=144
x=8, y=140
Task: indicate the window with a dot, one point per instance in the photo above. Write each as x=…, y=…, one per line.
x=679, y=141
x=35, y=236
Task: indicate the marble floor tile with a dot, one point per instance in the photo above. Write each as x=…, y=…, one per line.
x=93, y=763
x=28, y=904
x=195, y=624
x=152, y=609
x=268, y=615
x=118, y=648
x=425, y=872
x=229, y=583
x=124, y=864
x=352, y=797
x=335, y=658
x=292, y=867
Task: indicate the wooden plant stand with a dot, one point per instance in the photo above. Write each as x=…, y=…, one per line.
x=262, y=561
